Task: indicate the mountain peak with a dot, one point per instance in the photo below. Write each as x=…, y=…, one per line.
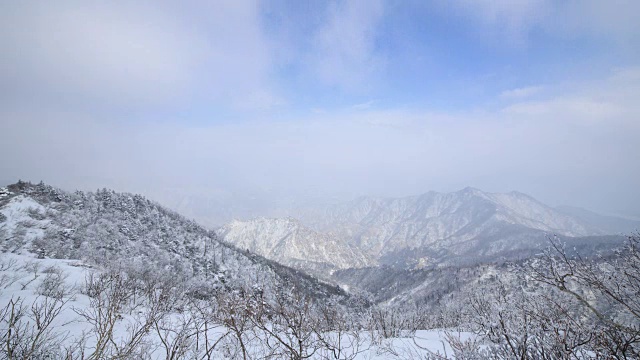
x=471, y=190
x=521, y=195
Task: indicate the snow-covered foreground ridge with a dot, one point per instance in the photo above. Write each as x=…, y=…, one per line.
x=52, y=308
x=106, y=275
x=106, y=228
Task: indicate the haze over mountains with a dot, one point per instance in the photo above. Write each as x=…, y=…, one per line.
x=417, y=231
x=433, y=229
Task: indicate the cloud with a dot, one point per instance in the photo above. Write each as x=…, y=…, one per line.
x=129, y=95
x=363, y=106
x=609, y=100
x=578, y=147
x=505, y=19
x=345, y=54
x=613, y=20
x=626, y=75
x=132, y=54
x=514, y=20
x=568, y=109
x=520, y=93
x=96, y=51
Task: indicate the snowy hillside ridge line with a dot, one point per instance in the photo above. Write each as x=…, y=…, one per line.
x=422, y=230
x=106, y=227
x=514, y=207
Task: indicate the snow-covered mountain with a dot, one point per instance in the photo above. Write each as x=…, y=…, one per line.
x=416, y=230
x=606, y=223
x=104, y=228
x=289, y=242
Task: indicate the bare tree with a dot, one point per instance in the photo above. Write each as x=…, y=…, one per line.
x=289, y=326
x=608, y=288
x=340, y=332
x=109, y=294
x=391, y=322
x=28, y=331
x=208, y=335
x=177, y=335
x=53, y=284
x=8, y=275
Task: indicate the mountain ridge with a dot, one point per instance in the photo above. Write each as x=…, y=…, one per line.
x=437, y=225
x=289, y=242
x=104, y=228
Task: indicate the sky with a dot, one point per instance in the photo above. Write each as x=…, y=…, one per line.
x=226, y=102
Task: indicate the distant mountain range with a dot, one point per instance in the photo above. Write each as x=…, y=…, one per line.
x=605, y=223
x=434, y=228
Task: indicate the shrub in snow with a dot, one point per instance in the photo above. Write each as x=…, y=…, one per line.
x=53, y=283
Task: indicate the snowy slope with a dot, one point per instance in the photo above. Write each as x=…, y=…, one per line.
x=106, y=227
x=289, y=242
x=23, y=222
x=23, y=279
x=38, y=223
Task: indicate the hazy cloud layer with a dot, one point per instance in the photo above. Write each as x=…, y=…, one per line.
x=344, y=54
x=137, y=54
x=513, y=20
x=237, y=98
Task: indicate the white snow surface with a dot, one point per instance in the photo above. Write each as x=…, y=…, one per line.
x=16, y=213
x=22, y=274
